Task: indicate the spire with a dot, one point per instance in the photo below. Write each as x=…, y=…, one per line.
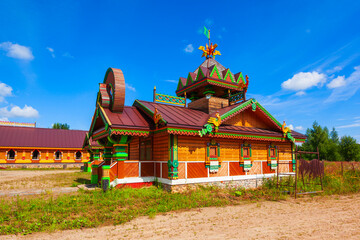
x=209, y=51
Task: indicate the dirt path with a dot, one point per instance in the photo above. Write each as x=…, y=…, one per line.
x=318, y=218
x=21, y=174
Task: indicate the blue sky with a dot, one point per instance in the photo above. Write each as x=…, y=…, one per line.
x=302, y=57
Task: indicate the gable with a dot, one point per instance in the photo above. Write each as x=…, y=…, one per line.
x=248, y=118
x=249, y=114
x=98, y=121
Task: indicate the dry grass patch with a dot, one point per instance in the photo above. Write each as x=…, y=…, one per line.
x=48, y=181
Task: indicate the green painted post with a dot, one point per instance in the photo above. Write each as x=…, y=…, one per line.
x=105, y=180
x=94, y=174
x=107, y=156
x=173, y=162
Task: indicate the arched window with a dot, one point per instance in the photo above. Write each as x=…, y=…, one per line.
x=58, y=155
x=78, y=155
x=35, y=155
x=11, y=154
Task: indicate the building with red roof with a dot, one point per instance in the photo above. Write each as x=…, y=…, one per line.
x=22, y=145
x=209, y=133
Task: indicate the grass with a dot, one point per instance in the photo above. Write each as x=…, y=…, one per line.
x=67, y=179
x=95, y=208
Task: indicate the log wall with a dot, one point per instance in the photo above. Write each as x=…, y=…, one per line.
x=247, y=118
x=160, y=147
x=45, y=156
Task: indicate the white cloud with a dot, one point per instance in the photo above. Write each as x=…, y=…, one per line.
x=348, y=90
x=26, y=112
x=335, y=69
x=4, y=119
x=68, y=55
x=337, y=82
x=291, y=127
x=171, y=81
x=15, y=50
x=304, y=80
x=300, y=128
x=301, y=93
x=356, y=124
x=51, y=50
x=5, y=90
x=131, y=88
x=189, y=48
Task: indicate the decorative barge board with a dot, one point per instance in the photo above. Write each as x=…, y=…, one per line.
x=217, y=137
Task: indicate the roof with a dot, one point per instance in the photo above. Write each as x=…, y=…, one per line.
x=209, y=63
x=211, y=72
x=178, y=116
x=257, y=131
x=40, y=137
x=129, y=118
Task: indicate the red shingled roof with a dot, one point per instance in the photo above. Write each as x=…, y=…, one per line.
x=190, y=118
x=40, y=137
x=257, y=131
x=129, y=118
x=178, y=116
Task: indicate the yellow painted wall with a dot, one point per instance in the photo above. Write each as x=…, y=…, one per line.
x=25, y=156
x=194, y=149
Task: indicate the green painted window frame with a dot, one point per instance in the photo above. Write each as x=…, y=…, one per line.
x=208, y=146
x=249, y=157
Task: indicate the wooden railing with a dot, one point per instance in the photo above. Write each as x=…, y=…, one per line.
x=113, y=171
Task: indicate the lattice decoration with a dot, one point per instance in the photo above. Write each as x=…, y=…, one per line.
x=236, y=97
x=170, y=99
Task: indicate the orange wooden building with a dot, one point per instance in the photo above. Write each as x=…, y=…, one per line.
x=31, y=145
x=219, y=137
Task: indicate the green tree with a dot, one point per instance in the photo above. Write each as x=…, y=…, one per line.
x=317, y=137
x=61, y=126
x=333, y=147
x=349, y=149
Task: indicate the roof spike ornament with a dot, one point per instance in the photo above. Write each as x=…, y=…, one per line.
x=209, y=51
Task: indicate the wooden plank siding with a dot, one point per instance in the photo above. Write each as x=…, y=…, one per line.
x=181, y=170
x=235, y=169
x=192, y=149
x=134, y=152
x=147, y=169
x=157, y=170
x=196, y=170
x=248, y=118
x=165, y=170
x=229, y=150
x=160, y=147
x=223, y=171
x=266, y=168
x=131, y=169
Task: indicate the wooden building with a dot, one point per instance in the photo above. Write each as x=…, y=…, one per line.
x=219, y=137
x=31, y=145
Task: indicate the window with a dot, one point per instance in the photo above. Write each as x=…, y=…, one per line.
x=11, y=154
x=213, y=151
x=35, y=155
x=272, y=152
x=78, y=155
x=58, y=155
x=246, y=152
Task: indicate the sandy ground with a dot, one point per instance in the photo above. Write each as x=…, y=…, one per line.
x=311, y=218
x=21, y=174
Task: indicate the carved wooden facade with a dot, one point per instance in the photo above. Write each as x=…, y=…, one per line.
x=219, y=136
